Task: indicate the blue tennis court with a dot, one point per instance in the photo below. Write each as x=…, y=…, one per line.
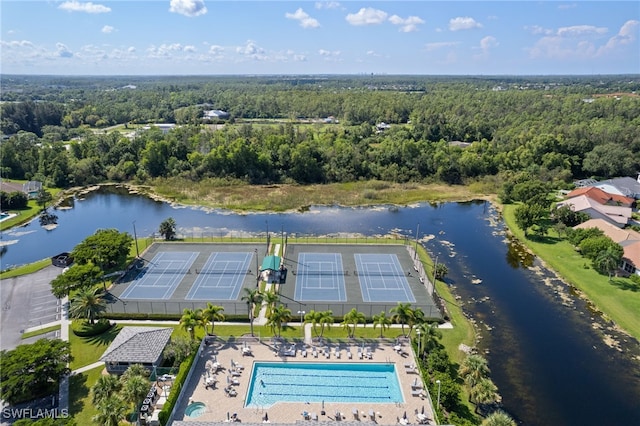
x=162, y=275
x=320, y=277
x=382, y=278
x=221, y=277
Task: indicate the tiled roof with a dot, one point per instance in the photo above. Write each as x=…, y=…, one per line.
x=137, y=345
x=617, y=214
x=601, y=196
x=616, y=234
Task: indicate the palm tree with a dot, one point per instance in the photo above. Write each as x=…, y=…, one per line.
x=352, y=318
x=484, y=392
x=211, y=314
x=168, y=229
x=111, y=411
x=473, y=368
x=135, y=389
x=381, y=320
x=325, y=319
x=252, y=297
x=498, y=418
x=401, y=314
x=106, y=386
x=271, y=298
x=312, y=317
x=608, y=261
x=429, y=336
x=416, y=317
x=134, y=370
x=279, y=315
x=190, y=320
x=88, y=304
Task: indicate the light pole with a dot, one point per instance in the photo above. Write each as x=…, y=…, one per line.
x=438, y=405
x=419, y=342
x=301, y=321
x=415, y=254
x=135, y=236
x=257, y=271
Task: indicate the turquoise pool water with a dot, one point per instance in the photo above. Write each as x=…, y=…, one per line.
x=273, y=382
x=195, y=409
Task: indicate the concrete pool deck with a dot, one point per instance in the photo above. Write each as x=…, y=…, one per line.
x=224, y=351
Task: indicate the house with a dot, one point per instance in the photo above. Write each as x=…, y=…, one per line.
x=626, y=186
x=602, y=197
x=628, y=239
x=136, y=345
x=381, y=127
x=216, y=114
x=164, y=127
x=616, y=215
x=30, y=188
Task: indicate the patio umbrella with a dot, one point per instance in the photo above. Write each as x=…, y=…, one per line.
x=415, y=382
x=404, y=416
x=323, y=405
x=422, y=409
x=266, y=417
x=228, y=416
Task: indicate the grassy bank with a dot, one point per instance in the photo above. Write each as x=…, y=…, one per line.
x=241, y=197
x=618, y=299
x=25, y=215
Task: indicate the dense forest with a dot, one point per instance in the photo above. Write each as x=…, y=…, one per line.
x=319, y=129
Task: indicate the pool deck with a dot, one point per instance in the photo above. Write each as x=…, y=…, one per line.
x=219, y=406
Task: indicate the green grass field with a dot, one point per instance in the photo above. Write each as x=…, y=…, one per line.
x=618, y=299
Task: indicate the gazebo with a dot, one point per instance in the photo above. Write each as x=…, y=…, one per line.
x=136, y=345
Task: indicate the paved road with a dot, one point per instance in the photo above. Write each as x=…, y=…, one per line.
x=26, y=302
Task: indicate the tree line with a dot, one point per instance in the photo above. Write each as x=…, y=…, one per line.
x=555, y=130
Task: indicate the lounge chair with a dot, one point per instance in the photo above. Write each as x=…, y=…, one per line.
x=372, y=416
x=303, y=353
x=416, y=392
x=314, y=416
x=349, y=353
x=235, y=372
x=338, y=353
x=314, y=352
x=233, y=381
x=356, y=414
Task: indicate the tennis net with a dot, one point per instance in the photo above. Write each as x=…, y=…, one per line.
x=380, y=274
x=316, y=272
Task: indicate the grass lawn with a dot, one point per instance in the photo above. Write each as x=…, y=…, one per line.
x=26, y=269
x=80, y=407
x=28, y=213
x=40, y=332
x=618, y=299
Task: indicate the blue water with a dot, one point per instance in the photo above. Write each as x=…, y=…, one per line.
x=273, y=382
x=195, y=409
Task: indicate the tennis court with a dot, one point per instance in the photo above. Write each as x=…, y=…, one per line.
x=381, y=278
x=221, y=277
x=161, y=276
x=320, y=277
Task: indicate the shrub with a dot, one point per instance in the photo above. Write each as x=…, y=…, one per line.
x=181, y=377
x=82, y=328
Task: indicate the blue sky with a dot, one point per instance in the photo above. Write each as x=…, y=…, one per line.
x=201, y=37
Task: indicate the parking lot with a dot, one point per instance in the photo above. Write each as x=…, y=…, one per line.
x=27, y=302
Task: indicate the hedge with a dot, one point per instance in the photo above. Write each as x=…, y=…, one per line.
x=176, y=387
x=84, y=329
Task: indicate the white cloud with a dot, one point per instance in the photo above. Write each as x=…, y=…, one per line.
x=626, y=35
x=406, y=25
x=63, y=51
x=252, y=50
x=88, y=7
x=167, y=50
x=537, y=30
x=327, y=5
x=189, y=48
x=463, y=23
x=367, y=16
x=188, y=8
x=303, y=18
x=16, y=44
x=430, y=47
x=107, y=29
x=486, y=44
x=580, y=30
x=329, y=55
x=567, y=6
x=216, y=50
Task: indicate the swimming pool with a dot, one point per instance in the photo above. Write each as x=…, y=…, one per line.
x=273, y=382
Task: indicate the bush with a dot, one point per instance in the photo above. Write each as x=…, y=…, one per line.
x=82, y=328
x=635, y=279
x=181, y=377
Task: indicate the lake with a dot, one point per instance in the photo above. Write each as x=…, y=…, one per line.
x=544, y=344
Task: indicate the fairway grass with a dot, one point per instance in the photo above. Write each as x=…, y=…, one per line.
x=618, y=299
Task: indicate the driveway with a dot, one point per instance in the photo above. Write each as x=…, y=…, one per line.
x=26, y=302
